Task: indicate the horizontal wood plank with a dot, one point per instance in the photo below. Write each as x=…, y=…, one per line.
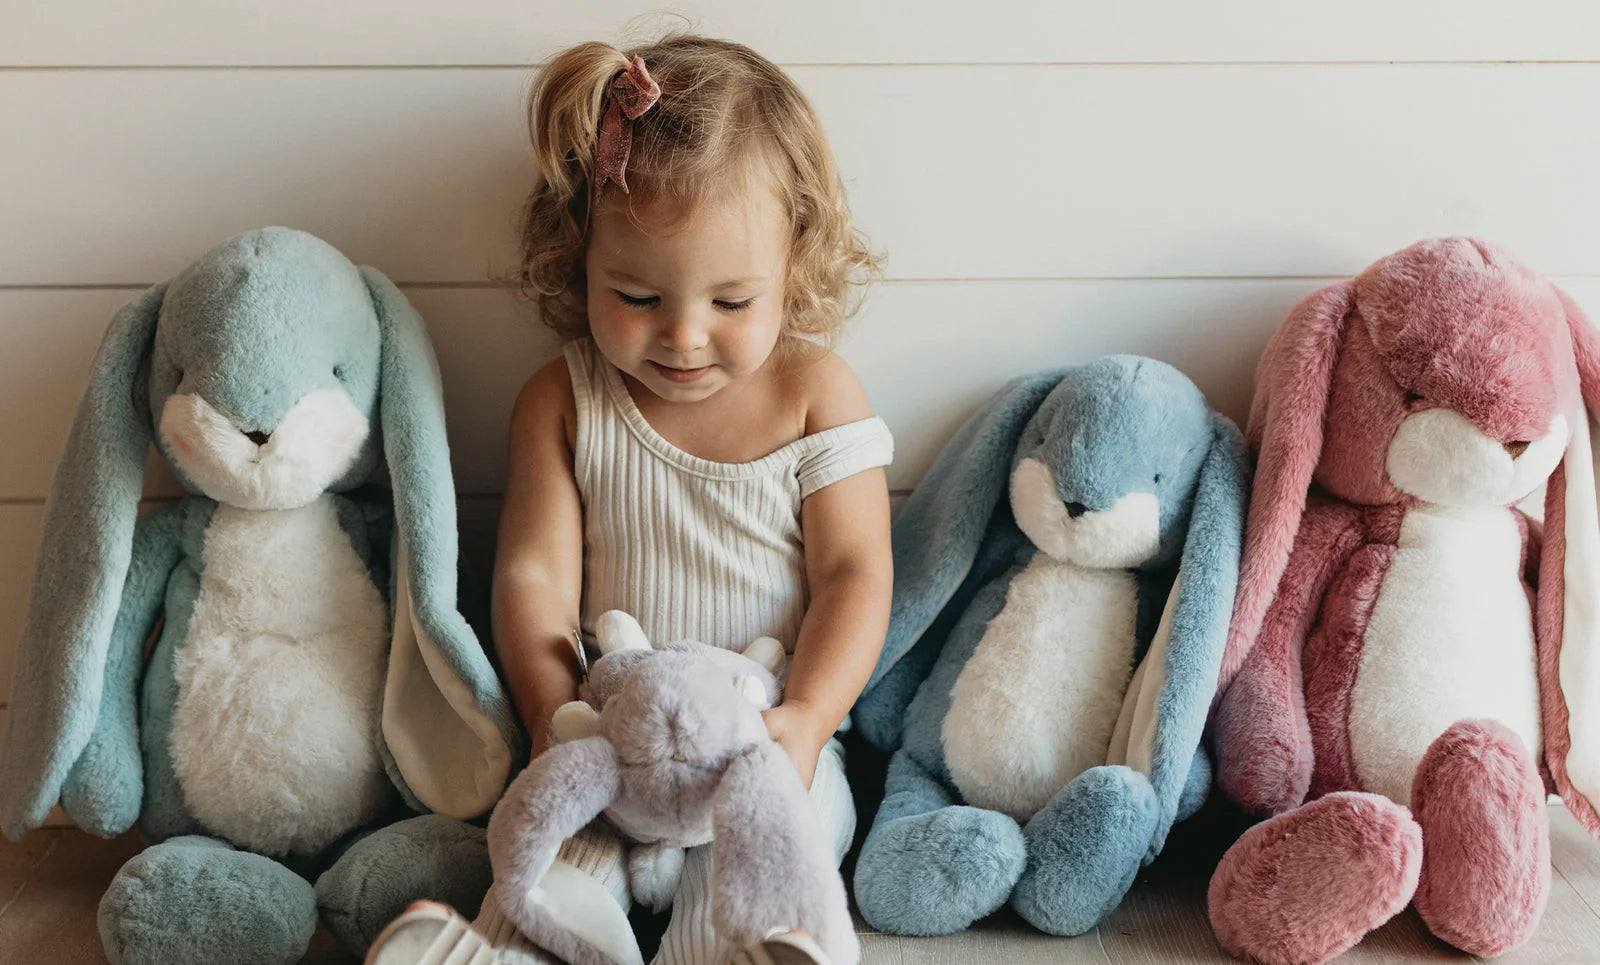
x=105, y=32
x=957, y=172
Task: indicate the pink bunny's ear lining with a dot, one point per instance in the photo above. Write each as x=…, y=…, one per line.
x=1568, y=608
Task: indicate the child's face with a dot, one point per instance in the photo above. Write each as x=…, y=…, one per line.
x=688, y=305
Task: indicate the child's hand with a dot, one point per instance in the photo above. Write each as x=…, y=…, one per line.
x=799, y=734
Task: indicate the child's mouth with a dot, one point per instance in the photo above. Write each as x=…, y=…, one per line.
x=679, y=376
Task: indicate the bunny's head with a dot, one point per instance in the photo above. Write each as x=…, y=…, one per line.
x=264, y=370
x=1449, y=378
x=1106, y=471
x=680, y=711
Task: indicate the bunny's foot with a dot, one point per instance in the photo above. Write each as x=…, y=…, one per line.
x=196, y=899
x=1486, y=869
x=1305, y=886
x=938, y=872
x=428, y=856
x=929, y=866
x=1084, y=848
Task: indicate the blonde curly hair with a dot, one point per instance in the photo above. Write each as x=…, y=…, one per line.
x=723, y=109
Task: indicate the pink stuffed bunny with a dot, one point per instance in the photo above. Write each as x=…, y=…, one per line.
x=1405, y=655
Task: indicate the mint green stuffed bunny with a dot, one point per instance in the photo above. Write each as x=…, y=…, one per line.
x=312, y=679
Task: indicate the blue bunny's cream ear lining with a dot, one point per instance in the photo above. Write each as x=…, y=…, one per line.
x=449, y=751
x=1578, y=670
x=1133, y=741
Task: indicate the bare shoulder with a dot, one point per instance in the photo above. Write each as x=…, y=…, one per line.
x=545, y=401
x=831, y=394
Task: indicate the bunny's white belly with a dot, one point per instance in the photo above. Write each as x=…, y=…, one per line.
x=1036, y=704
x=1450, y=638
x=275, y=732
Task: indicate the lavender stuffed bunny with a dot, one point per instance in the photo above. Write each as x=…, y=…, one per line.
x=670, y=746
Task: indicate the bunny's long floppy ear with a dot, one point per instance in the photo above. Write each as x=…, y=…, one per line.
x=446, y=721
x=1569, y=596
x=1286, y=428
x=1165, y=709
x=938, y=541
x=771, y=864
x=560, y=908
x=83, y=561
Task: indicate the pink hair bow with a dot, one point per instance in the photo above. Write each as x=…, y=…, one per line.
x=632, y=93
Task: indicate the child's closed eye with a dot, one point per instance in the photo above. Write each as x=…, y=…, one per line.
x=637, y=301
x=651, y=301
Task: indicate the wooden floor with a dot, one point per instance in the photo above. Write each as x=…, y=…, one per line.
x=51, y=884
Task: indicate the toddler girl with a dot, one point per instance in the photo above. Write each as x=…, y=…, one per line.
x=698, y=457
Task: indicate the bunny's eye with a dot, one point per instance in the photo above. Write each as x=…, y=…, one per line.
x=1412, y=398
x=338, y=371
x=1158, y=478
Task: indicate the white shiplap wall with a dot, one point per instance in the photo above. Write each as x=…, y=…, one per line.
x=1051, y=181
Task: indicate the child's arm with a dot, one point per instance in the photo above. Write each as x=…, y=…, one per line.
x=850, y=575
x=538, y=570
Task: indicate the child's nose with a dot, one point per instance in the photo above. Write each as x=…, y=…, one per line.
x=683, y=333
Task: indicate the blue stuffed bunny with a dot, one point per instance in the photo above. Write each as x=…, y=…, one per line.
x=1051, y=657
x=293, y=705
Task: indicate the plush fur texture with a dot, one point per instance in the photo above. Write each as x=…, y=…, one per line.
x=428, y=856
x=1084, y=849
x=1332, y=661
x=1451, y=621
x=275, y=375
x=1053, y=666
x=1572, y=724
x=963, y=504
x=1306, y=886
x=1388, y=590
x=105, y=788
x=1024, y=652
x=289, y=634
x=152, y=909
x=1124, y=534
x=1301, y=353
x=1486, y=866
x=1550, y=607
x=1440, y=457
x=315, y=445
x=654, y=872
x=681, y=757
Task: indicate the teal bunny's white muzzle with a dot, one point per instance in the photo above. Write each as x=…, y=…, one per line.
x=1125, y=534
x=315, y=444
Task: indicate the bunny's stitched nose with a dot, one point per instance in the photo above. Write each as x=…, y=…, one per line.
x=260, y=438
x=1076, y=509
x=1515, y=448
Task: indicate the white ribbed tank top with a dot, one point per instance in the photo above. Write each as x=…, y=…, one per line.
x=696, y=549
